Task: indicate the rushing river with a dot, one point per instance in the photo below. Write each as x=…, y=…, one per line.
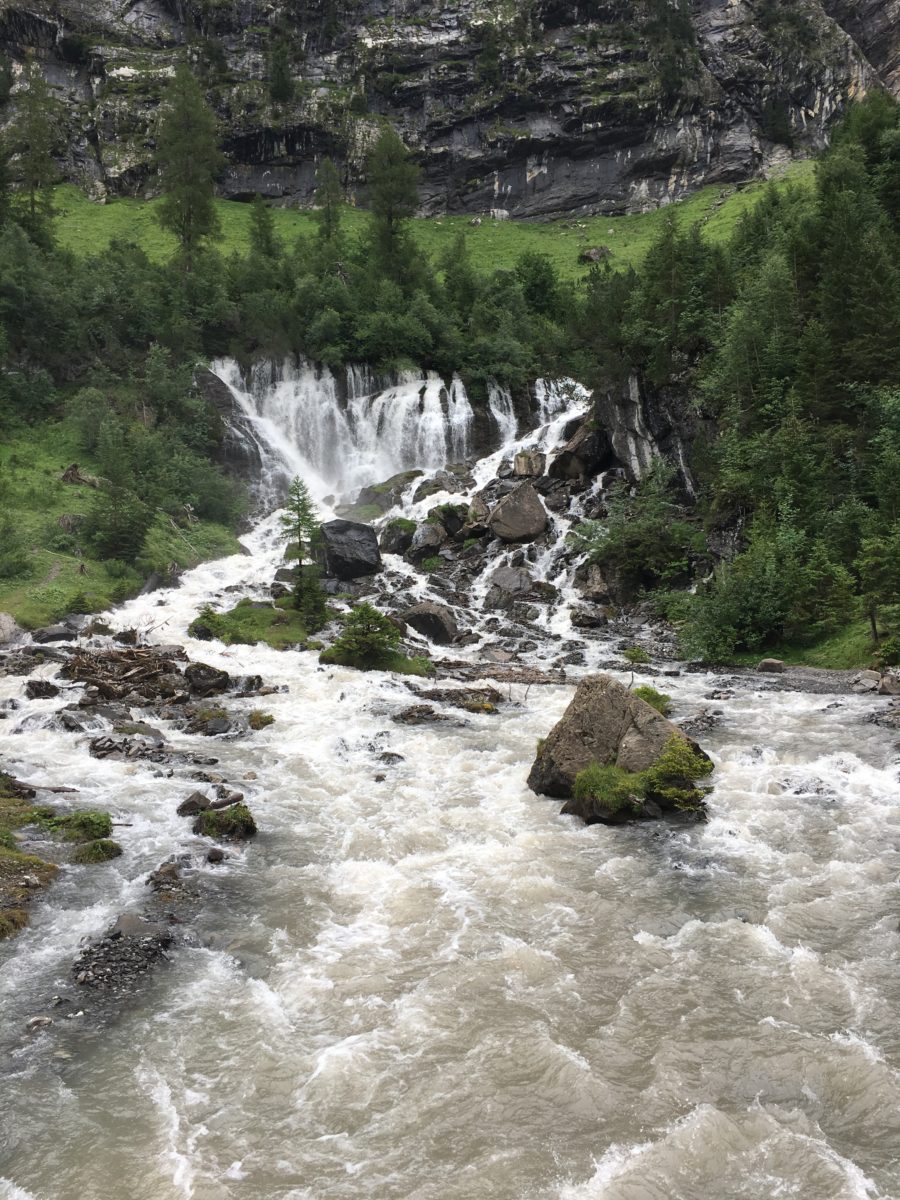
x=435, y=987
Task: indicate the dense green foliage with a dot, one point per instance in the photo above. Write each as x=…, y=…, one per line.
x=300, y=523
x=658, y=700
x=279, y=625
x=786, y=345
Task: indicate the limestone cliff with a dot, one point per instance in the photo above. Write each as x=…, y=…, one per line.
x=535, y=107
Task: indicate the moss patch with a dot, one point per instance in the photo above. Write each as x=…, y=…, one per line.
x=393, y=661
x=80, y=826
x=234, y=823
x=658, y=700
x=259, y=719
x=99, y=851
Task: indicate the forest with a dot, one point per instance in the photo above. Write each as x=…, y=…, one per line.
x=782, y=346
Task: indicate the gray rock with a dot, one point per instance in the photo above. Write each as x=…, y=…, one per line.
x=9, y=629
x=434, y=621
x=773, y=665
x=605, y=723
x=40, y=689
x=520, y=516
x=205, y=680
x=426, y=541
x=194, y=804
x=350, y=549
x=529, y=464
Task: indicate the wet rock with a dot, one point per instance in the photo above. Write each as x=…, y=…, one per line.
x=286, y=575
x=591, y=583
x=497, y=654
x=774, y=666
x=452, y=516
x=434, y=621
x=702, y=722
x=889, y=686
x=212, y=722
x=10, y=631
x=53, y=633
x=215, y=855
x=455, y=479
x=40, y=689
x=585, y=618
x=605, y=723
x=350, y=549
x=390, y=759
x=128, y=748
x=529, y=464
x=419, y=714
x=194, y=804
x=384, y=496
x=426, y=541
x=205, y=680
x=397, y=536
x=473, y=700
x=129, y=949
x=234, y=823
x=506, y=584
x=586, y=452
x=866, y=681
x=166, y=877
x=520, y=516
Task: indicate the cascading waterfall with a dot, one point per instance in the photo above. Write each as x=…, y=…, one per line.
x=500, y=403
x=341, y=440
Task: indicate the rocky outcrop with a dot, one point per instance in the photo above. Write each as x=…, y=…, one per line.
x=520, y=516
x=605, y=723
x=523, y=111
x=350, y=549
x=9, y=629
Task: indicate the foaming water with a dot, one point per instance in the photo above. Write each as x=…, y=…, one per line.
x=422, y=981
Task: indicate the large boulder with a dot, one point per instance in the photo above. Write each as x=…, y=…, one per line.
x=507, y=584
x=585, y=453
x=426, y=541
x=520, y=516
x=434, y=621
x=350, y=549
x=605, y=723
x=205, y=680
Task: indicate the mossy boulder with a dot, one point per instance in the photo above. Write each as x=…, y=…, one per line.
x=99, y=851
x=234, y=823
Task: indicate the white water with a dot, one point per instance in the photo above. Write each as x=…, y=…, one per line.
x=436, y=987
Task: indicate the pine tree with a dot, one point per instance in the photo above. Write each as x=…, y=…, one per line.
x=263, y=242
x=281, y=82
x=328, y=201
x=300, y=522
x=189, y=159
x=36, y=134
x=393, y=197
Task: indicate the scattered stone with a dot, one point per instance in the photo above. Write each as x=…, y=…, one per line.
x=40, y=689
x=419, y=714
x=129, y=949
x=196, y=803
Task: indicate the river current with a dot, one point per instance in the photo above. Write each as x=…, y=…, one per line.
x=433, y=986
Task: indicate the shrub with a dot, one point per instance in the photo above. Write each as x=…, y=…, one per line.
x=636, y=655
x=81, y=826
x=670, y=781
x=259, y=719
x=658, y=700
x=369, y=639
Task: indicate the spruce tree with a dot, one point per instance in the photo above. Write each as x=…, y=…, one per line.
x=300, y=522
x=328, y=201
x=281, y=83
x=393, y=197
x=189, y=159
x=36, y=134
x=263, y=242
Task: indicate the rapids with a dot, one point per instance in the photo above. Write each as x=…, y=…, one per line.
x=435, y=987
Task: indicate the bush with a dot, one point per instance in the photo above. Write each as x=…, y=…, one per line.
x=259, y=719
x=669, y=782
x=636, y=655
x=658, y=700
x=369, y=640
x=610, y=786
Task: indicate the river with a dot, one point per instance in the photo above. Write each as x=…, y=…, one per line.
x=433, y=986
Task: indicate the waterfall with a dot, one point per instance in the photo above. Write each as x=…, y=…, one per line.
x=501, y=405
x=342, y=438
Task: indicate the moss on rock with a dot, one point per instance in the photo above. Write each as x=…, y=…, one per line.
x=98, y=851
x=234, y=823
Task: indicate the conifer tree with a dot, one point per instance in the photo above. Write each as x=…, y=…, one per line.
x=328, y=201
x=300, y=522
x=189, y=159
x=263, y=242
x=393, y=197
x=281, y=82
x=36, y=130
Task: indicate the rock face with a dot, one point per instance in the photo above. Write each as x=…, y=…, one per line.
x=9, y=630
x=350, y=549
x=434, y=621
x=546, y=108
x=605, y=723
x=520, y=516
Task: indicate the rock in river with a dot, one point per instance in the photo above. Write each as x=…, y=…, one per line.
x=434, y=621
x=520, y=516
x=350, y=549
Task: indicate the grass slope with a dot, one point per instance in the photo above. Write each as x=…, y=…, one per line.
x=851, y=649
x=83, y=227
x=31, y=491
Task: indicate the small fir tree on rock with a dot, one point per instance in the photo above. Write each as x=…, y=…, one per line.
x=300, y=522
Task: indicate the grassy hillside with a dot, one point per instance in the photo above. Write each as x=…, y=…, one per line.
x=58, y=580
x=84, y=227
